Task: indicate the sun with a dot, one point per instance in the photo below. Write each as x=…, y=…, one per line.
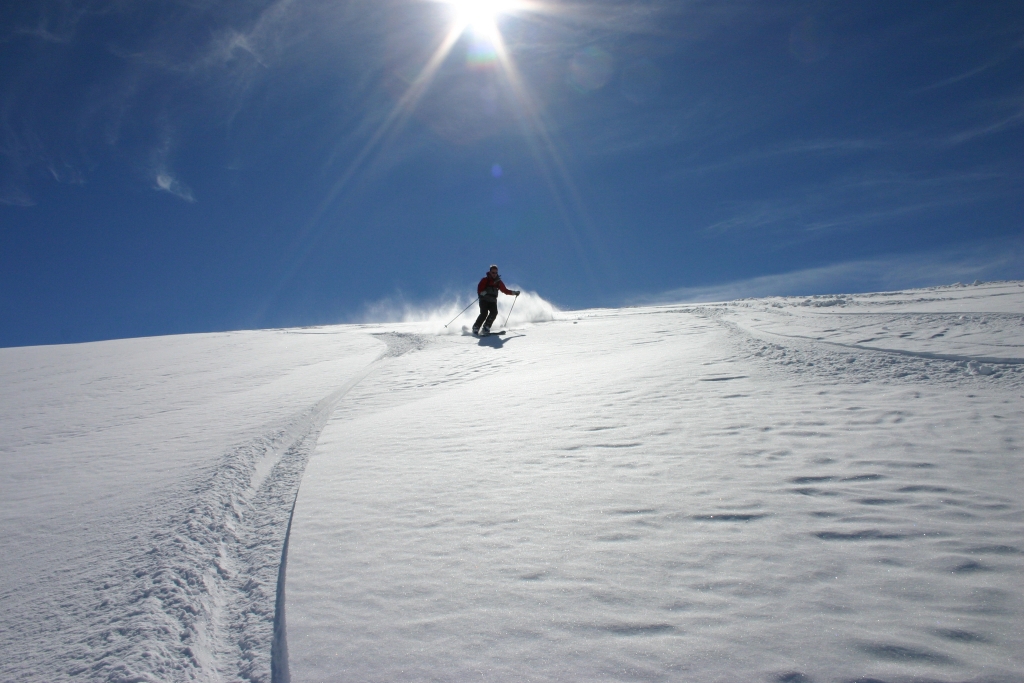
x=480, y=16
x=487, y=50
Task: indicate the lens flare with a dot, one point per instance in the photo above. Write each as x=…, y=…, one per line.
x=481, y=54
x=590, y=69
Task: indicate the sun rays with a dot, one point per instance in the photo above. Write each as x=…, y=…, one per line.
x=477, y=20
x=542, y=147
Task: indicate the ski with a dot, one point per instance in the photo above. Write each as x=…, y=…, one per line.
x=467, y=331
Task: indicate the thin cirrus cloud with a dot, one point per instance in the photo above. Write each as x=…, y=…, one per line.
x=160, y=59
x=995, y=115
x=1012, y=116
x=42, y=32
x=52, y=22
x=166, y=182
x=154, y=68
x=971, y=73
x=991, y=260
x=16, y=196
x=856, y=202
x=838, y=147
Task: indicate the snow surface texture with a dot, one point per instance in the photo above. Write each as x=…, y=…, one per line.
x=145, y=496
x=783, y=489
x=740, y=492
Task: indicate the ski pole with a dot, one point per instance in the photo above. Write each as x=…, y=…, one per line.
x=463, y=311
x=510, y=310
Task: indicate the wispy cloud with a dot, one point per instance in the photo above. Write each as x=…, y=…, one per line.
x=971, y=73
x=1011, y=116
x=168, y=183
x=50, y=21
x=752, y=216
x=857, y=201
x=43, y=33
x=996, y=260
x=164, y=179
x=161, y=61
x=15, y=196
x=793, y=148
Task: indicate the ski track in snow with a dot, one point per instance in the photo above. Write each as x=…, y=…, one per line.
x=782, y=489
x=194, y=597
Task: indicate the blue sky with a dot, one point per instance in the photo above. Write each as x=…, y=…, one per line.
x=196, y=165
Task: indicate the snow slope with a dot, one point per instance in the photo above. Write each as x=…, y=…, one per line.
x=782, y=489
x=145, y=492
x=705, y=493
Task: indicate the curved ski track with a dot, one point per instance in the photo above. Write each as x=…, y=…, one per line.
x=860, y=363
x=203, y=598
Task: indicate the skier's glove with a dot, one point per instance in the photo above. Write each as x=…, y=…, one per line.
x=516, y=292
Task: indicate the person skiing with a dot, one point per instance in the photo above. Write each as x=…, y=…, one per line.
x=487, y=291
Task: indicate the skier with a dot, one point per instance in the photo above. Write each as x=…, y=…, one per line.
x=487, y=291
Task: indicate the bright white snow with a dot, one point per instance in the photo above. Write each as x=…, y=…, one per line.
x=783, y=489
x=140, y=535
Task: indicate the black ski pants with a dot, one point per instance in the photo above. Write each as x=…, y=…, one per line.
x=488, y=312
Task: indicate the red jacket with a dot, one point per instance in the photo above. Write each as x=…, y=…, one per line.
x=488, y=288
